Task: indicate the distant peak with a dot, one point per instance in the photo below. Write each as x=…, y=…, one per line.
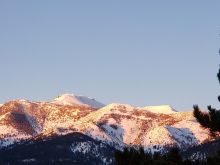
x=164, y=109
x=71, y=99
x=65, y=95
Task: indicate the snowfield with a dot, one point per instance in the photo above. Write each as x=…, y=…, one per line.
x=164, y=109
x=70, y=99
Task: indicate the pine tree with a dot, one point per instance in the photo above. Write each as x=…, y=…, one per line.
x=210, y=119
x=174, y=156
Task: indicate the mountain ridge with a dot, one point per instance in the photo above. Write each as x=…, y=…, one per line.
x=116, y=125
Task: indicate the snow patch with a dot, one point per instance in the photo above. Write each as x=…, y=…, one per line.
x=156, y=136
x=164, y=109
x=71, y=99
x=29, y=160
x=183, y=136
x=82, y=147
x=200, y=133
x=90, y=148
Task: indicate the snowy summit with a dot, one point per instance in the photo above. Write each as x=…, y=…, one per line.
x=71, y=99
x=164, y=109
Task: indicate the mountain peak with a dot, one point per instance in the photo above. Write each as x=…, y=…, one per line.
x=164, y=109
x=70, y=99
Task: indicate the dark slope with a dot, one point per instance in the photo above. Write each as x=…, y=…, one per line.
x=208, y=149
x=59, y=150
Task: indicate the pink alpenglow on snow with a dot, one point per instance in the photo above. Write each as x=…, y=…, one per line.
x=71, y=99
x=164, y=109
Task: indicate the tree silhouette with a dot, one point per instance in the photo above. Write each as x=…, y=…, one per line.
x=137, y=156
x=210, y=119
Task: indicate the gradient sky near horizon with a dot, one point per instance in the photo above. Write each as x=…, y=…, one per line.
x=135, y=52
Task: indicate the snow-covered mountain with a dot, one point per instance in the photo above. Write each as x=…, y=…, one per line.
x=115, y=125
x=71, y=99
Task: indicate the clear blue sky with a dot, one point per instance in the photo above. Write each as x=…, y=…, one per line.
x=136, y=52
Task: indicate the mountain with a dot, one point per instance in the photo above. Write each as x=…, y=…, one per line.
x=23, y=124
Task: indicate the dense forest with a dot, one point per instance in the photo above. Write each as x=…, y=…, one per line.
x=137, y=156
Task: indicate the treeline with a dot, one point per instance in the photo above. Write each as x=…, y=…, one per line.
x=137, y=156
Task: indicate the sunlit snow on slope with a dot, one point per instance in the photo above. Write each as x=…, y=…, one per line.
x=194, y=127
x=9, y=135
x=164, y=109
x=70, y=99
x=183, y=136
x=157, y=136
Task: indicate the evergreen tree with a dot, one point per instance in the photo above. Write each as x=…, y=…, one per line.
x=137, y=156
x=174, y=156
x=211, y=119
